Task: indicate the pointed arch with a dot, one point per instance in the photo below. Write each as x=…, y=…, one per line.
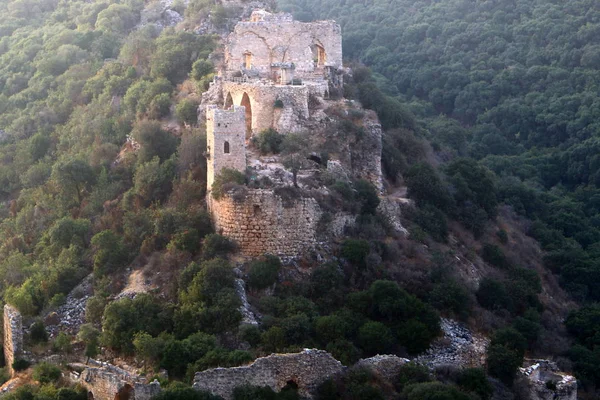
x=226, y=147
x=246, y=103
x=228, y=101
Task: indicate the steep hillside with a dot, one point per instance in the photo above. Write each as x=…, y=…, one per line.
x=513, y=85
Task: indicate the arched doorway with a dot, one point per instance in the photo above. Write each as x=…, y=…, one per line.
x=319, y=54
x=125, y=393
x=246, y=103
x=228, y=101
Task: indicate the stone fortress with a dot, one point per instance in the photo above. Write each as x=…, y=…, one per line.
x=272, y=68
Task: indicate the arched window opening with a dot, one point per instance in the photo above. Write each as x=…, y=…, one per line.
x=228, y=101
x=247, y=60
x=320, y=55
x=226, y=147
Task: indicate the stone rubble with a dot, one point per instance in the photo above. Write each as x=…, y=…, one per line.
x=458, y=347
x=544, y=381
x=71, y=315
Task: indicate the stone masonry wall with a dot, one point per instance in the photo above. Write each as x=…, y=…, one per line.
x=110, y=383
x=276, y=38
x=262, y=96
x=225, y=126
x=13, y=336
x=260, y=222
x=307, y=369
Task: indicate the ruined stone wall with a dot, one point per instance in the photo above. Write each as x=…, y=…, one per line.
x=276, y=38
x=262, y=98
x=110, y=383
x=533, y=382
x=13, y=336
x=225, y=126
x=261, y=222
x=307, y=369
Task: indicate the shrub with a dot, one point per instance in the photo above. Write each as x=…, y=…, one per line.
x=492, y=254
x=38, y=332
x=225, y=177
x=187, y=111
x=475, y=380
x=263, y=273
x=215, y=245
x=356, y=251
x=375, y=338
x=45, y=372
x=412, y=373
x=62, y=343
x=20, y=364
x=367, y=195
x=268, y=141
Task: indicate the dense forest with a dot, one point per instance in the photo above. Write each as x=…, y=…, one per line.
x=513, y=85
x=485, y=106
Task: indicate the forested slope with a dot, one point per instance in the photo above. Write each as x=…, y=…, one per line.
x=514, y=85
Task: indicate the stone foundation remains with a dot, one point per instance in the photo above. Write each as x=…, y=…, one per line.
x=13, y=336
x=307, y=369
x=107, y=382
x=261, y=222
x=544, y=381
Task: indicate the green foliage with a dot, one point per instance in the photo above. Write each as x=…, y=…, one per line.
x=268, y=141
x=20, y=364
x=187, y=112
x=494, y=255
x=62, y=343
x=109, y=252
x=433, y=391
x=38, y=332
x=355, y=251
x=124, y=317
x=474, y=380
x=263, y=273
x=201, y=68
x=224, y=181
x=179, y=391
x=154, y=141
x=375, y=338
x=505, y=354
x=215, y=245
x=45, y=372
x=412, y=373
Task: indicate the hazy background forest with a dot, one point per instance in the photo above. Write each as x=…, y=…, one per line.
x=484, y=105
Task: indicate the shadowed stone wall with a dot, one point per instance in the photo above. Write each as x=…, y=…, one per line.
x=13, y=336
x=112, y=383
x=307, y=369
x=260, y=221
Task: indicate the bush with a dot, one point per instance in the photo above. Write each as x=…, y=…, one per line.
x=180, y=391
x=412, y=373
x=367, y=195
x=187, y=112
x=263, y=273
x=45, y=372
x=475, y=380
x=215, y=245
x=223, y=180
x=355, y=252
x=20, y=364
x=62, y=343
x=492, y=254
x=268, y=141
x=38, y=332
x=375, y=338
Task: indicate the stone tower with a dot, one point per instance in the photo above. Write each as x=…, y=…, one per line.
x=225, y=140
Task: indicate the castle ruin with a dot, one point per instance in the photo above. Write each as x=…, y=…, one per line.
x=272, y=66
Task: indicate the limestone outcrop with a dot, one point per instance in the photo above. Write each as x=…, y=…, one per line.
x=307, y=369
x=385, y=366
